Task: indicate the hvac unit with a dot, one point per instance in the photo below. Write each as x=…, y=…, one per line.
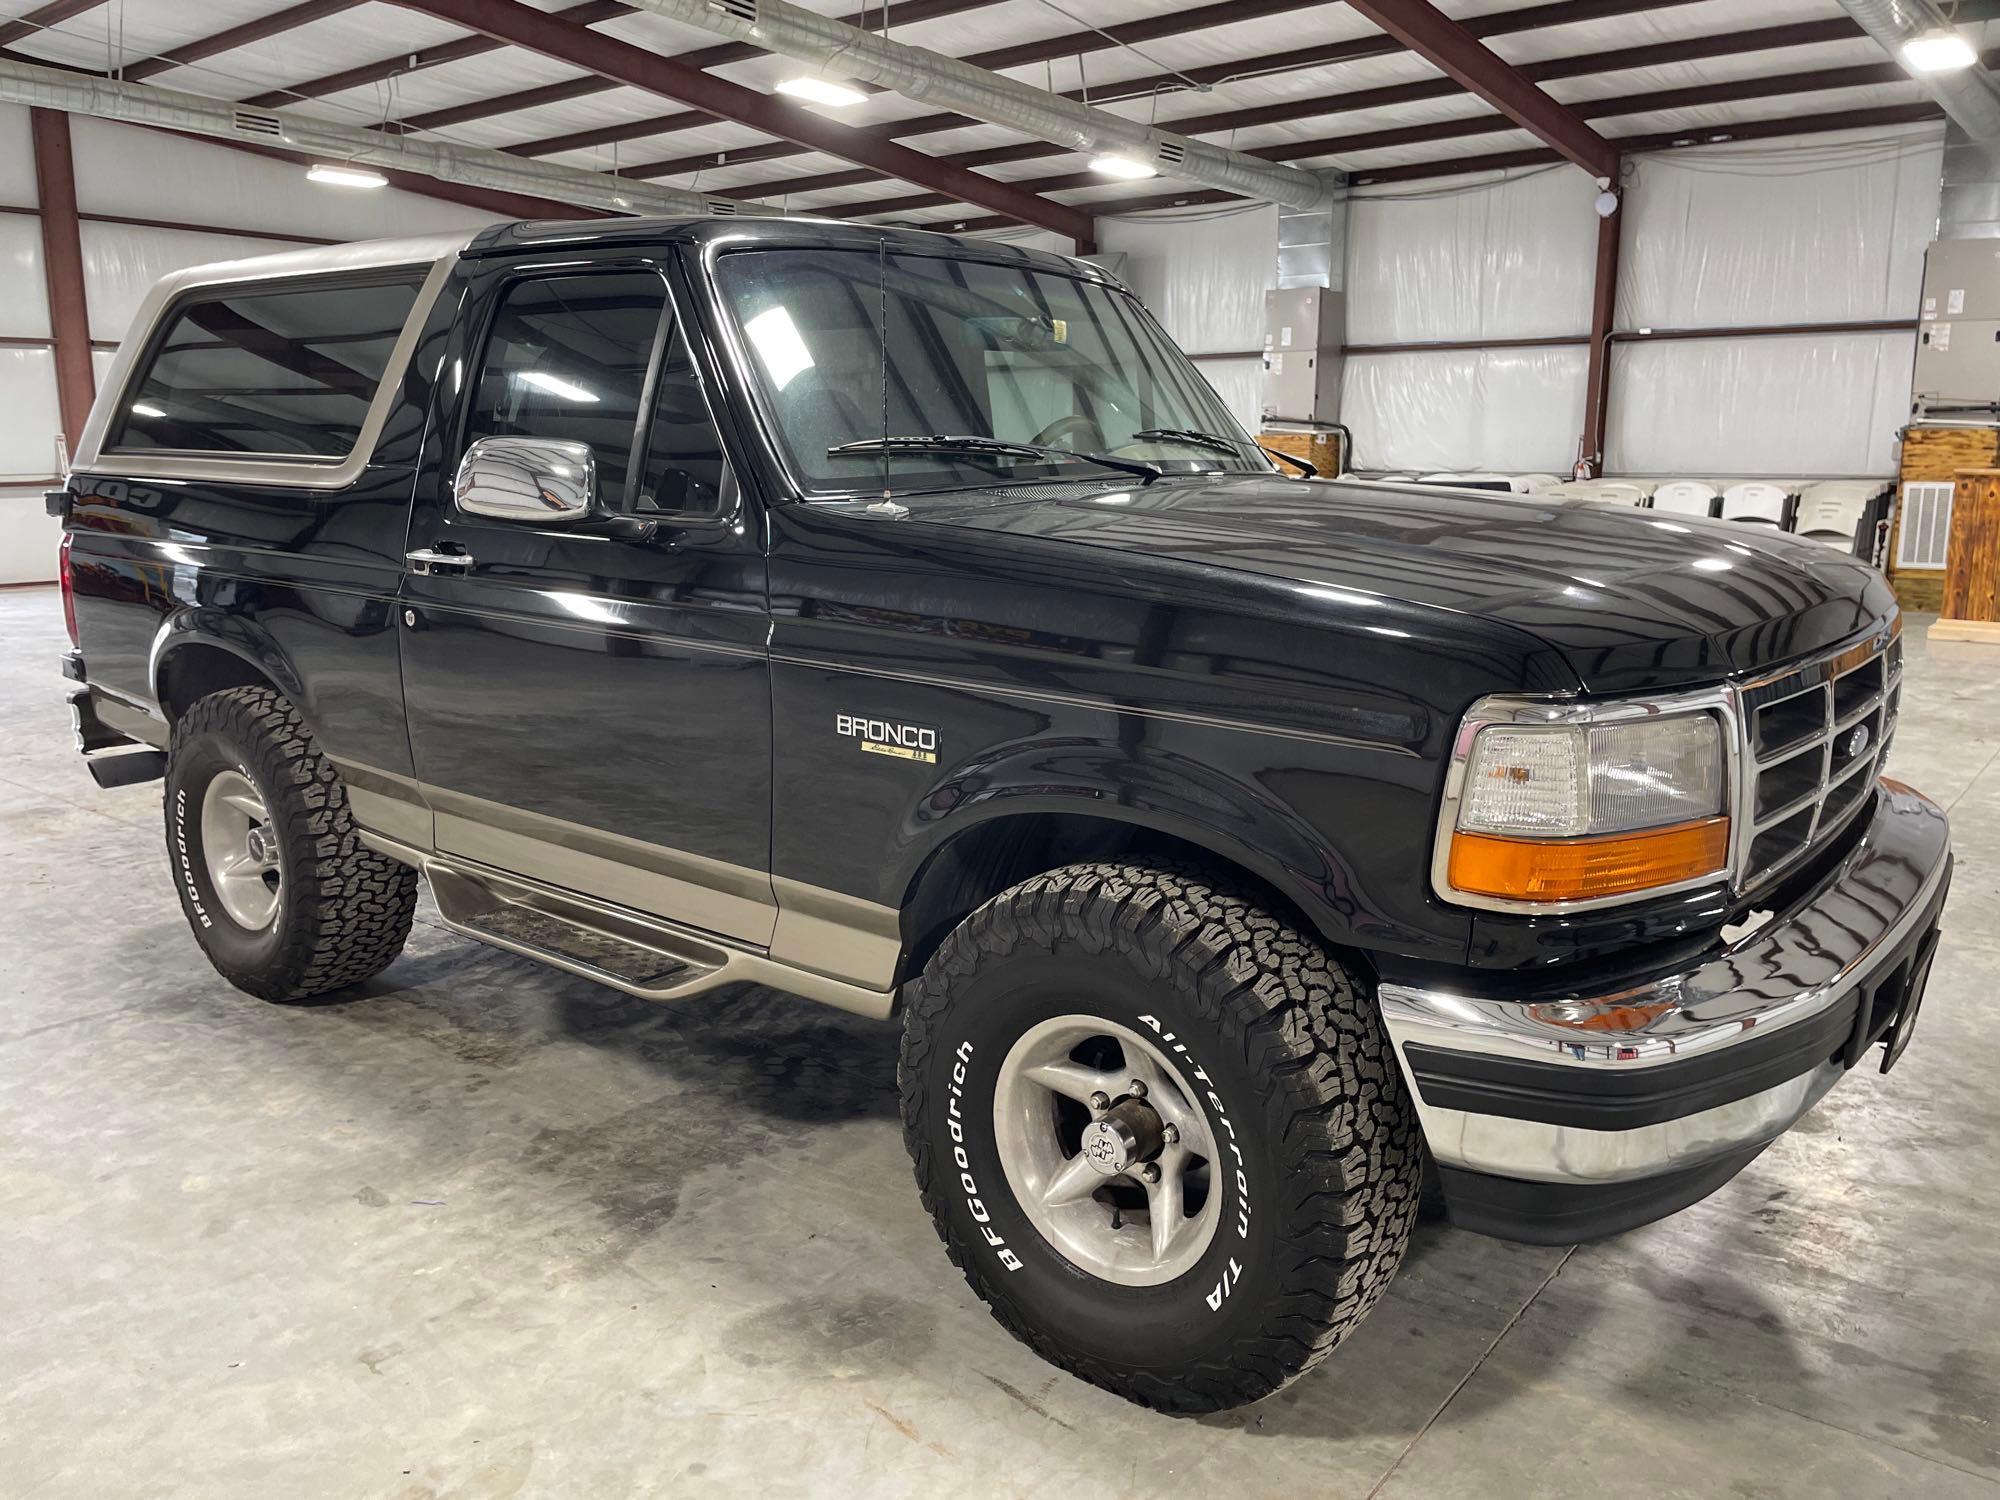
x=1304, y=328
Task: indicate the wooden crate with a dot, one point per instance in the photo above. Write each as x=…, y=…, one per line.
x=1972, y=569
x=1320, y=449
x=1934, y=455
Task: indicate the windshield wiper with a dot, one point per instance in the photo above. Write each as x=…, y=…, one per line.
x=1220, y=444
x=972, y=443
x=1212, y=441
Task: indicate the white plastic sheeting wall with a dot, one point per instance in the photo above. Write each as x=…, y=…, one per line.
x=1828, y=230
x=142, y=174
x=1817, y=230
x=1204, y=277
x=1466, y=260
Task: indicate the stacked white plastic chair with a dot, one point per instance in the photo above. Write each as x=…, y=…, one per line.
x=1609, y=491
x=1534, y=484
x=1832, y=511
x=1497, y=482
x=1685, y=497
x=1756, y=502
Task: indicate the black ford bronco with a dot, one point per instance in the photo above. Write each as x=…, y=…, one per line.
x=902, y=621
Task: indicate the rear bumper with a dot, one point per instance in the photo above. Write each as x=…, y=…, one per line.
x=1573, y=1116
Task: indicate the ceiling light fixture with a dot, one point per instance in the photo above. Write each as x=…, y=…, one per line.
x=1113, y=165
x=345, y=176
x=1940, y=49
x=555, y=385
x=815, y=90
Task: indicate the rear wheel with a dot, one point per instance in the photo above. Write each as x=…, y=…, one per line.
x=1160, y=1130
x=283, y=896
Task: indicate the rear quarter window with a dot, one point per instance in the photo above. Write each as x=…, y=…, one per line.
x=290, y=370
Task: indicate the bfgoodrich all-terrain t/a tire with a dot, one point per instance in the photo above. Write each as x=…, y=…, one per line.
x=1214, y=1040
x=330, y=912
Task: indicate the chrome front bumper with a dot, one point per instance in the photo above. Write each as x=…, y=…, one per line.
x=1691, y=1067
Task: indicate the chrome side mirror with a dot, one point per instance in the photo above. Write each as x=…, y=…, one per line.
x=539, y=481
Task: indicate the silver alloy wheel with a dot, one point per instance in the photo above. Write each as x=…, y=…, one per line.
x=1081, y=1189
x=240, y=848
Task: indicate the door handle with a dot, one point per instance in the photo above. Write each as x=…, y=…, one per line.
x=425, y=562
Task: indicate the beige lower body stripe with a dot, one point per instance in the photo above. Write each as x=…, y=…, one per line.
x=804, y=926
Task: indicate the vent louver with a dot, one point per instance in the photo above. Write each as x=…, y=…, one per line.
x=1173, y=153
x=1925, y=538
x=249, y=122
x=742, y=10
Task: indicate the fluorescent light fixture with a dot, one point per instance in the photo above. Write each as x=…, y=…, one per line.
x=347, y=177
x=1939, y=50
x=1112, y=165
x=816, y=90
x=779, y=346
x=555, y=385
x=141, y=409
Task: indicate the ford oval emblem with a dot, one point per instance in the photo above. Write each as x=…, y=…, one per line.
x=1857, y=741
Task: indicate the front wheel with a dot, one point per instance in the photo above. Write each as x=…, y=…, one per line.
x=283, y=896
x=1160, y=1130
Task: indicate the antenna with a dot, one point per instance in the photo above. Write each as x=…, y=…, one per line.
x=882, y=338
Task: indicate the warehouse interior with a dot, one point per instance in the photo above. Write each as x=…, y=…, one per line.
x=483, y=1229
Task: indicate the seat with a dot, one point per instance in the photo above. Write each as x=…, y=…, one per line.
x=1836, y=512
x=1606, y=491
x=1756, y=502
x=1686, y=497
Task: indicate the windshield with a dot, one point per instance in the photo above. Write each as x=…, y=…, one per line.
x=986, y=352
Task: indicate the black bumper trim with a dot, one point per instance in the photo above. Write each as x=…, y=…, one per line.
x=1565, y=1213
x=1628, y=1098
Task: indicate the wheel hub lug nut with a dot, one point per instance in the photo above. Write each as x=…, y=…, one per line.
x=1100, y=1100
x=1137, y=1090
x=1170, y=1133
x=1150, y=1172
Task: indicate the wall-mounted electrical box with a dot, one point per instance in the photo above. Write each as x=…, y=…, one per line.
x=1304, y=328
x=1958, y=328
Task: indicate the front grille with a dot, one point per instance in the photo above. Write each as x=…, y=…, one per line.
x=1815, y=738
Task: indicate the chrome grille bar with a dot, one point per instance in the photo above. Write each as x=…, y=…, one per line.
x=1812, y=740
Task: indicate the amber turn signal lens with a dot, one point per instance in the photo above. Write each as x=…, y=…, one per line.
x=1584, y=869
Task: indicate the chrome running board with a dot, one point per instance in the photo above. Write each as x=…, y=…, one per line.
x=613, y=945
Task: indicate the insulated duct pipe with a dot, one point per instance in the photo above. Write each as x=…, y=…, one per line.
x=847, y=52
x=1969, y=96
x=473, y=166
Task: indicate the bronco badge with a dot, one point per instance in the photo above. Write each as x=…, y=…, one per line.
x=882, y=737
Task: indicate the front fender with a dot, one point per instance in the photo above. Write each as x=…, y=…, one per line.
x=1193, y=801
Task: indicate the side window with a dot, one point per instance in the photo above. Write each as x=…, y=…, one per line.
x=566, y=359
x=254, y=369
x=683, y=472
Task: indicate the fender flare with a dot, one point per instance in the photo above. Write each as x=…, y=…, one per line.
x=1172, y=795
x=237, y=635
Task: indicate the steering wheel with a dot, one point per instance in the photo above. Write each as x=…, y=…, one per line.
x=1054, y=435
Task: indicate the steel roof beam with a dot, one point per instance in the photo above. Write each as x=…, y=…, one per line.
x=1446, y=45
x=458, y=49
x=553, y=36
x=908, y=12
x=259, y=30
x=1729, y=92
x=1022, y=54
x=1652, y=54
x=42, y=18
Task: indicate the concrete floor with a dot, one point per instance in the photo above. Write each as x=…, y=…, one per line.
x=489, y=1230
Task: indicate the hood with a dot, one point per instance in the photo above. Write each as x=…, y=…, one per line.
x=1630, y=600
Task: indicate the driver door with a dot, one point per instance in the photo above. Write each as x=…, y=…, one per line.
x=590, y=707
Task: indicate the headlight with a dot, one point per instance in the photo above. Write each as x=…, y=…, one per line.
x=1546, y=814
